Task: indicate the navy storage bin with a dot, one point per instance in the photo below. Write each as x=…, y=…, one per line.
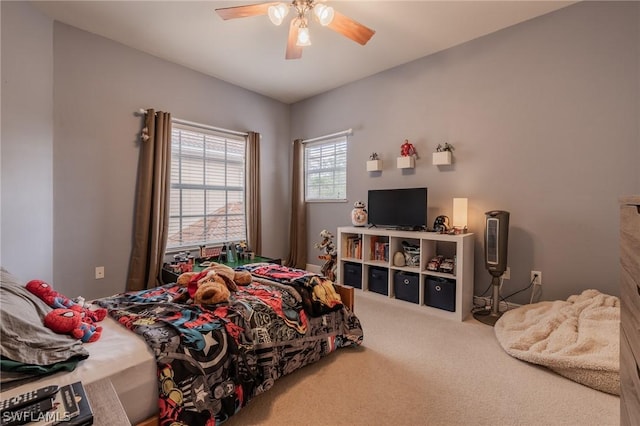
x=353, y=274
x=379, y=280
x=440, y=293
x=407, y=286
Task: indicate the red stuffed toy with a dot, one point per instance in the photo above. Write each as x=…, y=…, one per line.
x=58, y=301
x=69, y=321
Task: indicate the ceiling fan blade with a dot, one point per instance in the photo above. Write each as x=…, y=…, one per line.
x=351, y=29
x=293, y=50
x=244, y=11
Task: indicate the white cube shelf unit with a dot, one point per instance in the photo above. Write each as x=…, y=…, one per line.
x=358, y=260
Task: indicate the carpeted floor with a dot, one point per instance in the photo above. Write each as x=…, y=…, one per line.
x=415, y=369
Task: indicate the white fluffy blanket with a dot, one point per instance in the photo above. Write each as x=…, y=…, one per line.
x=578, y=338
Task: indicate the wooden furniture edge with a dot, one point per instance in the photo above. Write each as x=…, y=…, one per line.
x=152, y=421
x=346, y=294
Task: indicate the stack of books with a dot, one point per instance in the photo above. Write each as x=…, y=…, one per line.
x=354, y=247
x=379, y=249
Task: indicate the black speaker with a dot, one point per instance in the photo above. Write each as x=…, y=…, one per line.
x=496, y=238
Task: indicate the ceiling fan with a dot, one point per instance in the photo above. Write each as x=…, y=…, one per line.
x=299, y=27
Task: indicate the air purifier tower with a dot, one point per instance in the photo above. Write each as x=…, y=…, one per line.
x=496, y=239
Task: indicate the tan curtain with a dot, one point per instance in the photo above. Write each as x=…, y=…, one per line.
x=151, y=204
x=298, y=227
x=254, y=214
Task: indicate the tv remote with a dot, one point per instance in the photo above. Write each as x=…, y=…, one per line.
x=28, y=414
x=18, y=401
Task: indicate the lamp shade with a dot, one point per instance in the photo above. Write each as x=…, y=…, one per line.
x=324, y=14
x=277, y=13
x=303, y=37
x=460, y=212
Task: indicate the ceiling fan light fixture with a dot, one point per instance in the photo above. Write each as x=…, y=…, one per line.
x=277, y=13
x=323, y=13
x=303, y=37
x=303, y=10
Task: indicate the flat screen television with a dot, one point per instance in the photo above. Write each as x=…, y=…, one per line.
x=404, y=208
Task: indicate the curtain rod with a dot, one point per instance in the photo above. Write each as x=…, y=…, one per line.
x=207, y=127
x=332, y=135
x=202, y=126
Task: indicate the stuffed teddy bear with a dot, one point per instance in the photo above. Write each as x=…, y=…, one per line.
x=232, y=278
x=242, y=277
x=208, y=286
x=69, y=321
x=213, y=284
x=56, y=300
x=212, y=291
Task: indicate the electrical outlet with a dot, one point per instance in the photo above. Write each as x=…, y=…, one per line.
x=99, y=272
x=536, y=277
x=507, y=274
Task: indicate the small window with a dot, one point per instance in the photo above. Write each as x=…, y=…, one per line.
x=325, y=170
x=207, y=189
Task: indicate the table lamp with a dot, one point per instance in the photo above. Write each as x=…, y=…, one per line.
x=460, y=215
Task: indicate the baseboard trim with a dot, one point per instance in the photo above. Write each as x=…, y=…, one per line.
x=313, y=268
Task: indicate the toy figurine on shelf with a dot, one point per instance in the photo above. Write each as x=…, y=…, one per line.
x=359, y=215
x=407, y=149
x=374, y=156
x=447, y=147
x=329, y=256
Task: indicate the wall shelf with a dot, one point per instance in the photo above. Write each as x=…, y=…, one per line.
x=442, y=158
x=374, y=165
x=406, y=162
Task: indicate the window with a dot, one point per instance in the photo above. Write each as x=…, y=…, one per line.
x=207, y=189
x=325, y=170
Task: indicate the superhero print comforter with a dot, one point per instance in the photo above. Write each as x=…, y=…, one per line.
x=213, y=359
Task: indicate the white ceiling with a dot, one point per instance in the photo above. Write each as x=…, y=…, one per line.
x=249, y=52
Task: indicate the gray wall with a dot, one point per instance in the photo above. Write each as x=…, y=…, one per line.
x=543, y=116
x=544, y=120
x=99, y=84
x=70, y=147
x=26, y=224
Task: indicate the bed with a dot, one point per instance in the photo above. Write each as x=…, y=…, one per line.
x=199, y=364
x=213, y=359
x=119, y=356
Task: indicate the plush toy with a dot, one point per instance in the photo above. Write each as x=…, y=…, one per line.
x=214, y=284
x=212, y=291
x=227, y=273
x=217, y=290
x=69, y=321
x=231, y=277
x=56, y=300
x=242, y=278
x=185, y=277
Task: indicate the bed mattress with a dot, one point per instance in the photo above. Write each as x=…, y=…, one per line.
x=123, y=358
